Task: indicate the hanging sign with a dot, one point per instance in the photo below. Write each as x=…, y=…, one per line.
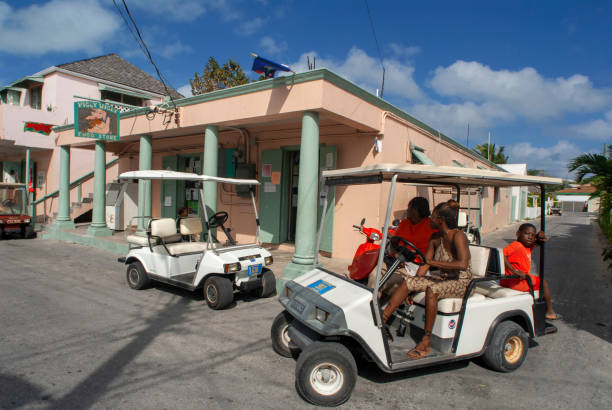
x=96, y=120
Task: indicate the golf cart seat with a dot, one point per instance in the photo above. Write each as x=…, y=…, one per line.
x=484, y=261
x=165, y=230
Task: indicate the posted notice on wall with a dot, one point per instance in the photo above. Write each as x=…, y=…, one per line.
x=168, y=200
x=266, y=170
x=269, y=187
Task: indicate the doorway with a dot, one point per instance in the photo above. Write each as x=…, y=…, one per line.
x=293, y=161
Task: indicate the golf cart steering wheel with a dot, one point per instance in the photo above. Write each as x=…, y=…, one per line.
x=217, y=219
x=8, y=202
x=408, y=249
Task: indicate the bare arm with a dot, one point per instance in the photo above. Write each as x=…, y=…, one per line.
x=463, y=254
x=429, y=254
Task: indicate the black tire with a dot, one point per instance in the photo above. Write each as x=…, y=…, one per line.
x=508, y=347
x=325, y=374
x=281, y=343
x=136, y=276
x=218, y=292
x=268, y=285
x=28, y=232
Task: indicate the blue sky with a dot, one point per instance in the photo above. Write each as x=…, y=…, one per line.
x=536, y=74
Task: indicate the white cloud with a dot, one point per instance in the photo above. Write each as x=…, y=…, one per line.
x=599, y=129
x=251, y=26
x=271, y=46
x=553, y=159
x=452, y=119
x=185, y=90
x=402, y=51
x=176, y=48
x=522, y=93
x=56, y=26
x=365, y=71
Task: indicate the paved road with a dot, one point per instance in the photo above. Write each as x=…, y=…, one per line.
x=73, y=335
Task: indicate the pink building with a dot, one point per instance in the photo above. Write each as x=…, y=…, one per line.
x=276, y=131
x=48, y=97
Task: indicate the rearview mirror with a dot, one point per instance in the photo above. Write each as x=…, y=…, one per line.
x=362, y=221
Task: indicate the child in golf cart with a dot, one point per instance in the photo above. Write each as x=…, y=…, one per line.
x=447, y=250
x=517, y=260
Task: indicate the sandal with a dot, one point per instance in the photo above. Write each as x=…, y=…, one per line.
x=415, y=353
x=555, y=317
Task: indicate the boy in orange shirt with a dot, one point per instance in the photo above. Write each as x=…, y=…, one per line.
x=517, y=260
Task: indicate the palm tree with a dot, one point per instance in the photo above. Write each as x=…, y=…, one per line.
x=489, y=152
x=596, y=169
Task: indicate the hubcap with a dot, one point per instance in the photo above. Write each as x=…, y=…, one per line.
x=513, y=349
x=326, y=379
x=133, y=276
x=211, y=294
x=285, y=337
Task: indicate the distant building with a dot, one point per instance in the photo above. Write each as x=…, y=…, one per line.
x=47, y=98
x=577, y=199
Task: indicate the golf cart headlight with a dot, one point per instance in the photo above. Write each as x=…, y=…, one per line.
x=374, y=236
x=269, y=260
x=321, y=315
x=232, y=267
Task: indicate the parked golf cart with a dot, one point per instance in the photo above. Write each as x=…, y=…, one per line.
x=13, y=211
x=160, y=252
x=329, y=319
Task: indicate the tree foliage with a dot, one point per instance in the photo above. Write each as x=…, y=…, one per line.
x=493, y=153
x=217, y=77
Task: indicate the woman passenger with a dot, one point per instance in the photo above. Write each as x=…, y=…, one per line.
x=449, y=252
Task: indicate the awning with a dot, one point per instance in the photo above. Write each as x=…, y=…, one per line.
x=104, y=87
x=419, y=154
x=25, y=82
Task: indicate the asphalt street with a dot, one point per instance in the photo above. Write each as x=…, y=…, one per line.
x=73, y=335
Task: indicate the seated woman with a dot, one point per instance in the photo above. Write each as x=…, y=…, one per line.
x=448, y=251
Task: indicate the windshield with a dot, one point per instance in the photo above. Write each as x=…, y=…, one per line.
x=12, y=201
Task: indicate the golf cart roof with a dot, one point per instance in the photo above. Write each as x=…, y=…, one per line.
x=11, y=185
x=433, y=174
x=183, y=176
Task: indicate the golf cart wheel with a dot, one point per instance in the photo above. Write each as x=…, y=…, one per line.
x=136, y=276
x=325, y=374
x=281, y=343
x=508, y=347
x=268, y=284
x=218, y=292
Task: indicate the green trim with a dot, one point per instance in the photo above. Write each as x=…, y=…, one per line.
x=290, y=80
x=73, y=183
x=421, y=157
x=458, y=164
x=33, y=78
x=104, y=87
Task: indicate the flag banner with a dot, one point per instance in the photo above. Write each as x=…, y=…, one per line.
x=96, y=120
x=38, y=127
x=267, y=68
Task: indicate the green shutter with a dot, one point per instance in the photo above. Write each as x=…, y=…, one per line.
x=169, y=188
x=270, y=202
x=328, y=157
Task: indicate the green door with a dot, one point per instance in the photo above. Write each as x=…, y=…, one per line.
x=169, y=189
x=327, y=160
x=270, y=196
x=513, y=212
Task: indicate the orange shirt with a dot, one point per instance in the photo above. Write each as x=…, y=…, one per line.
x=519, y=257
x=418, y=234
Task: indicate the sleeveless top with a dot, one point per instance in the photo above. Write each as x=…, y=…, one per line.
x=442, y=255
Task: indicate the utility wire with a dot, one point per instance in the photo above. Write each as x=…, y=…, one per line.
x=377, y=48
x=141, y=43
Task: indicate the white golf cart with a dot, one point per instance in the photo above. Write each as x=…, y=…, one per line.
x=166, y=254
x=330, y=319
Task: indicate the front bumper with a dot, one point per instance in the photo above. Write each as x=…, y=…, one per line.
x=250, y=285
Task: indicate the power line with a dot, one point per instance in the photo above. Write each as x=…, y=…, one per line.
x=377, y=48
x=141, y=43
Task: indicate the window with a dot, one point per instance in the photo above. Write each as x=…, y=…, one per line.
x=419, y=157
x=121, y=98
x=458, y=164
x=36, y=97
x=495, y=198
x=13, y=97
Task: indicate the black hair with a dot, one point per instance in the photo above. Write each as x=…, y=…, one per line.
x=526, y=225
x=448, y=211
x=421, y=205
